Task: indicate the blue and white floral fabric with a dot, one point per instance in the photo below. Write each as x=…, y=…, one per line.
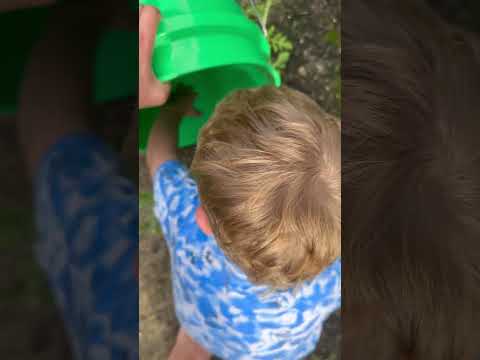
x=215, y=302
x=87, y=217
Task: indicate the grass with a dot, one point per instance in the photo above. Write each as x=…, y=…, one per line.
x=148, y=224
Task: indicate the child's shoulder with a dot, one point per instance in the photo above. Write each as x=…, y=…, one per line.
x=173, y=173
x=176, y=198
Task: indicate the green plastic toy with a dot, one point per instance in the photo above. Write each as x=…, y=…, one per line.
x=211, y=47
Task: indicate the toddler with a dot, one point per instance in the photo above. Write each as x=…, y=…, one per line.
x=254, y=230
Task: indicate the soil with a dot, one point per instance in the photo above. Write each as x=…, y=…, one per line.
x=315, y=62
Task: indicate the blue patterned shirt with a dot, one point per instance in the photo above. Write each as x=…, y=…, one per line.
x=87, y=217
x=214, y=300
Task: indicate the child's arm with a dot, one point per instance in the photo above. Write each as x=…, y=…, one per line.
x=86, y=212
x=151, y=92
x=162, y=143
x=55, y=93
x=174, y=189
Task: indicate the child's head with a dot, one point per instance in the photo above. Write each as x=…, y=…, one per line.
x=268, y=170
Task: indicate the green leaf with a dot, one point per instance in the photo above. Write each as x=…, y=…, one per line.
x=271, y=31
x=282, y=60
x=279, y=41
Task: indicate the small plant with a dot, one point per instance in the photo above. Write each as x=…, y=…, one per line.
x=281, y=46
x=260, y=10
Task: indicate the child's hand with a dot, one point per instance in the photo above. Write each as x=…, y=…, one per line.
x=151, y=92
x=181, y=103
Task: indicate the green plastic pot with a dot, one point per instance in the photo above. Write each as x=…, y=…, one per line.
x=211, y=47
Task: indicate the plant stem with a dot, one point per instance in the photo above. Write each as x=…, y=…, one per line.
x=268, y=6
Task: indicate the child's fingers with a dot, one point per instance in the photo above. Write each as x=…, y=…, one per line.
x=189, y=106
x=152, y=92
x=184, y=104
x=194, y=112
x=158, y=92
x=149, y=18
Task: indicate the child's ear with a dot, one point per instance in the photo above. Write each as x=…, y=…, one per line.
x=202, y=221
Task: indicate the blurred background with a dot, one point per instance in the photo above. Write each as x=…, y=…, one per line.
x=32, y=327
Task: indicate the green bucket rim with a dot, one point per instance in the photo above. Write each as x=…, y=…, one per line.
x=197, y=29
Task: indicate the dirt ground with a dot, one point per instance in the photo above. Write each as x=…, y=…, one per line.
x=313, y=69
